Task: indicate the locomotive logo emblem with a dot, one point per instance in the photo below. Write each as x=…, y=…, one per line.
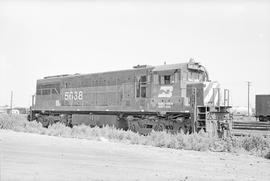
x=165, y=91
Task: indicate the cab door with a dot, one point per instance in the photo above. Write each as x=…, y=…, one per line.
x=143, y=90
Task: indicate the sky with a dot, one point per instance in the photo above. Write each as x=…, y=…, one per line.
x=41, y=38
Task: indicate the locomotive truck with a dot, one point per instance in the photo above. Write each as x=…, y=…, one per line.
x=171, y=97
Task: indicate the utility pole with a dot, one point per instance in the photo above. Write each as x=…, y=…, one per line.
x=11, y=102
x=248, y=83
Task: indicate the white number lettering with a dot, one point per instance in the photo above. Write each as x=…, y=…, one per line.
x=66, y=96
x=70, y=95
x=74, y=95
x=80, y=95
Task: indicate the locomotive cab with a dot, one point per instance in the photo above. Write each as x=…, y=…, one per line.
x=171, y=85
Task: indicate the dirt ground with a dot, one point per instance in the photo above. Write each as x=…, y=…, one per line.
x=27, y=156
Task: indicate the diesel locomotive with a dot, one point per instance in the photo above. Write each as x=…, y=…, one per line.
x=172, y=97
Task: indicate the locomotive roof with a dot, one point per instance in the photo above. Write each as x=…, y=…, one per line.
x=165, y=67
x=78, y=74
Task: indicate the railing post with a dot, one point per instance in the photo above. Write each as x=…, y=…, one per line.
x=194, y=93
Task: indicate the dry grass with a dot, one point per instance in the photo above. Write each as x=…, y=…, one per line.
x=256, y=145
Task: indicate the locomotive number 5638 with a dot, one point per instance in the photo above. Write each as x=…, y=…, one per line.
x=74, y=95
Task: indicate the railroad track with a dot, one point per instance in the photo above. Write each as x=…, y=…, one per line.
x=241, y=128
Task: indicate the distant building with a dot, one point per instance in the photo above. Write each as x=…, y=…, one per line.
x=15, y=110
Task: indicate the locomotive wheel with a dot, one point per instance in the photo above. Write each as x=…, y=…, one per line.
x=45, y=122
x=122, y=124
x=133, y=126
x=64, y=122
x=185, y=129
x=39, y=119
x=159, y=127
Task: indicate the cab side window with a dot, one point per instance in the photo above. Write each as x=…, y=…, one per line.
x=166, y=79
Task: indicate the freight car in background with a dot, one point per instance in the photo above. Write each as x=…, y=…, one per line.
x=263, y=107
x=176, y=97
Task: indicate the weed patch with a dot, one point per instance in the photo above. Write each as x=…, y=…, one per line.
x=256, y=145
